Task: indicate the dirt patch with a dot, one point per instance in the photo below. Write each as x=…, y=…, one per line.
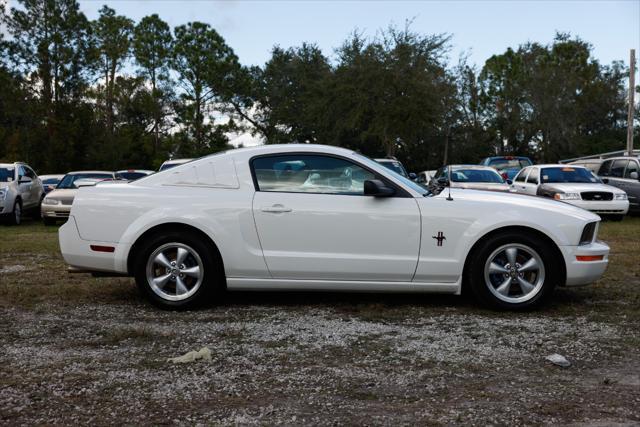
x=82, y=350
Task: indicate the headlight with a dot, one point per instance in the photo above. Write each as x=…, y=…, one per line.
x=567, y=196
x=588, y=233
x=3, y=194
x=50, y=201
x=620, y=196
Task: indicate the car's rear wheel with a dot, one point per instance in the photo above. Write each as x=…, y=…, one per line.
x=514, y=271
x=178, y=271
x=16, y=216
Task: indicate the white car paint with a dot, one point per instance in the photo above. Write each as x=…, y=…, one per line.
x=528, y=182
x=280, y=240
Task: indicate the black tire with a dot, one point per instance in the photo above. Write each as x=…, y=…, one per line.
x=478, y=278
x=16, y=217
x=49, y=221
x=212, y=282
x=36, y=213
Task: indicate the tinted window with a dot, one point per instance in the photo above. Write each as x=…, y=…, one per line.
x=396, y=167
x=50, y=181
x=131, y=176
x=29, y=172
x=617, y=168
x=68, y=180
x=534, y=176
x=631, y=167
x=567, y=174
x=475, y=175
x=507, y=163
x=6, y=174
x=604, y=168
x=309, y=174
x=522, y=175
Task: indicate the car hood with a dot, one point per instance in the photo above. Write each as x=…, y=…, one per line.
x=499, y=201
x=576, y=187
x=65, y=195
x=491, y=186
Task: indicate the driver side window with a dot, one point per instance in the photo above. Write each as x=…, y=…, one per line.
x=306, y=173
x=534, y=176
x=522, y=175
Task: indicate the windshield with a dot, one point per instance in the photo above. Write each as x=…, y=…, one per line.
x=396, y=167
x=404, y=180
x=476, y=175
x=131, y=176
x=69, y=180
x=567, y=175
x=50, y=181
x=504, y=163
x=6, y=174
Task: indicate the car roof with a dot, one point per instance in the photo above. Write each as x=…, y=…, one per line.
x=135, y=171
x=556, y=165
x=623, y=158
x=480, y=167
x=83, y=172
x=54, y=175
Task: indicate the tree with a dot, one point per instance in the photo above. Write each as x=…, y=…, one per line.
x=546, y=101
x=113, y=41
x=152, y=43
x=202, y=61
x=49, y=49
x=387, y=94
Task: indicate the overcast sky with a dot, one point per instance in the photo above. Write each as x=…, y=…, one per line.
x=482, y=28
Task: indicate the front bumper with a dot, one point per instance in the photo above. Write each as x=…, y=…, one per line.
x=55, y=211
x=585, y=272
x=78, y=252
x=614, y=207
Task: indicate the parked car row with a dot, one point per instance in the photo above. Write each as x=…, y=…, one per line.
x=50, y=197
x=608, y=187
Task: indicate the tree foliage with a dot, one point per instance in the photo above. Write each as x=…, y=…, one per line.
x=113, y=93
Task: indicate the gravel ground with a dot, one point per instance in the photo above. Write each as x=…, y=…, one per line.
x=90, y=351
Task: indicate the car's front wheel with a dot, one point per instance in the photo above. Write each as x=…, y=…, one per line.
x=16, y=215
x=514, y=271
x=177, y=271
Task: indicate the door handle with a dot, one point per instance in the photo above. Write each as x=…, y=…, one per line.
x=275, y=209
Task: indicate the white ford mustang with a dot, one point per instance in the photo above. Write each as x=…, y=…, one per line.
x=313, y=217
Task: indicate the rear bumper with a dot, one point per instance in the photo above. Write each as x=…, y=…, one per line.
x=616, y=207
x=78, y=253
x=585, y=272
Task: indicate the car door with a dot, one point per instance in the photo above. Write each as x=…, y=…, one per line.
x=35, y=190
x=25, y=184
x=532, y=182
x=314, y=221
x=630, y=183
x=520, y=182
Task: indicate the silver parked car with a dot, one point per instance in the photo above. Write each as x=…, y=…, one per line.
x=624, y=173
x=474, y=177
x=20, y=191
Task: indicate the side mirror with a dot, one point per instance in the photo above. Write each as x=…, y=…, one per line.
x=377, y=188
x=509, y=182
x=633, y=175
x=443, y=181
x=605, y=180
x=24, y=180
x=412, y=176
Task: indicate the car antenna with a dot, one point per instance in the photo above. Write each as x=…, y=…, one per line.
x=449, y=198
